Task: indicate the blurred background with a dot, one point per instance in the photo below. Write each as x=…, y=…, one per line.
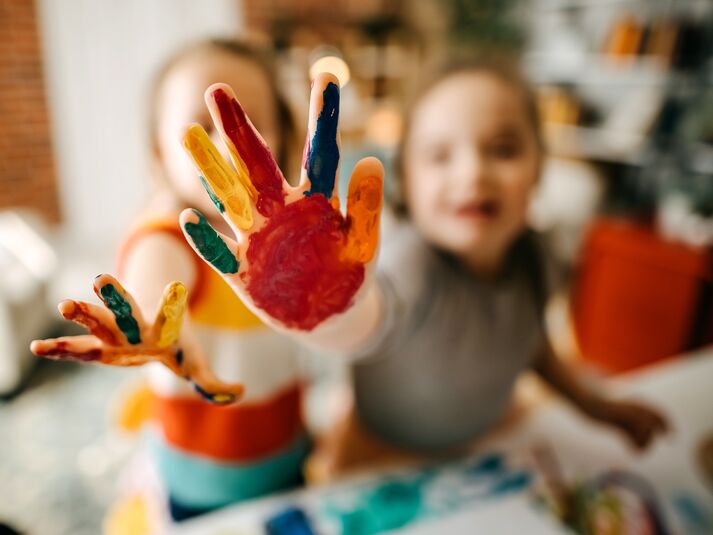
x=625, y=90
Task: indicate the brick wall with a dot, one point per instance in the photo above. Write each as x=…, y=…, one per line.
x=27, y=175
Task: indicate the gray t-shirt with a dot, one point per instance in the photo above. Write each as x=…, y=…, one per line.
x=441, y=369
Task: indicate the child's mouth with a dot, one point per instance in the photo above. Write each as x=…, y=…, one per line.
x=485, y=210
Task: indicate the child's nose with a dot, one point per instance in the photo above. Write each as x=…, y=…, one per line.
x=471, y=168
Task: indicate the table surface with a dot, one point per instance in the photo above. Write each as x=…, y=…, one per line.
x=681, y=388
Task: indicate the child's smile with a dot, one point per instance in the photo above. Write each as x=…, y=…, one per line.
x=479, y=211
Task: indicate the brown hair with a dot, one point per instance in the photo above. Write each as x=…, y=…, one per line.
x=262, y=58
x=501, y=68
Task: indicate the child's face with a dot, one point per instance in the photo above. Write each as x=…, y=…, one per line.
x=470, y=162
x=180, y=103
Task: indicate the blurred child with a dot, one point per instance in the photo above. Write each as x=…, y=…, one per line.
x=454, y=313
x=464, y=282
x=207, y=455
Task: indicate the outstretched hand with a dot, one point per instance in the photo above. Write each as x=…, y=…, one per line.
x=295, y=260
x=119, y=336
x=639, y=423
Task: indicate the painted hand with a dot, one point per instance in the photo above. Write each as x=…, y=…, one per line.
x=639, y=423
x=296, y=259
x=121, y=337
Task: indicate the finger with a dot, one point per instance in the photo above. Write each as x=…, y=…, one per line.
x=88, y=348
x=321, y=153
x=85, y=348
x=206, y=384
x=167, y=327
x=660, y=422
x=643, y=437
x=364, y=209
x=98, y=320
x=215, y=248
x=223, y=185
x=216, y=391
x=126, y=312
x=251, y=156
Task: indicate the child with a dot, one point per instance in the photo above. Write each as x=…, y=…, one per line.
x=454, y=313
x=207, y=455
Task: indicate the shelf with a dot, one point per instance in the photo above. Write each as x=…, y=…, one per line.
x=596, y=69
x=563, y=5
x=596, y=144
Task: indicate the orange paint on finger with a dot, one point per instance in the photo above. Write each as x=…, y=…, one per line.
x=79, y=313
x=363, y=210
x=61, y=351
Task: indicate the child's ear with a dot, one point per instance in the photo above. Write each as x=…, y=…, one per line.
x=155, y=151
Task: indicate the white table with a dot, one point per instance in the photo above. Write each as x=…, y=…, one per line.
x=681, y=388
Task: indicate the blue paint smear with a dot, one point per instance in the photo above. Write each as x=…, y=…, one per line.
x=392, y=504
x=489, y=465
x=324, y=152
x=514, y=482
x=693, y=513
x=291, y=521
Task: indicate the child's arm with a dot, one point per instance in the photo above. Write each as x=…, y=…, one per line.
x=120, y=334
x=152, y=262
x=637, y=421
x=297, y=262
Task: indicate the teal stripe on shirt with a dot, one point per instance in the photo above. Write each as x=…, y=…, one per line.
x=200, y=482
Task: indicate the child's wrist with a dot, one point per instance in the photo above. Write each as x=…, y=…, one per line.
x=352, y=329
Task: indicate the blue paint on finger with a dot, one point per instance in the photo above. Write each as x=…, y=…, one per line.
x=323, y=158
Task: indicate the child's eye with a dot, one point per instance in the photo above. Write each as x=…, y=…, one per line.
x=504, y=150
x=438, y=155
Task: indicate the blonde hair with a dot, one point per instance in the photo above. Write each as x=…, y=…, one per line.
x=261, y=58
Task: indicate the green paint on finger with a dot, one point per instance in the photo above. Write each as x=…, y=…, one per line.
x=212, y=195
x=210, y=246
x=121, y=309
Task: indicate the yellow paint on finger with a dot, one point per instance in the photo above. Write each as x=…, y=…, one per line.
x=363, y=209
x=170, y=315
x=241, y=168
x=223, y=398
x=227, y=185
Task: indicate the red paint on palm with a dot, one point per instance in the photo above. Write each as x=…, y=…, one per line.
x=297, y=271
x=264, y=173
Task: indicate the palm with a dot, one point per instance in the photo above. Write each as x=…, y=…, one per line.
x=296, y=258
